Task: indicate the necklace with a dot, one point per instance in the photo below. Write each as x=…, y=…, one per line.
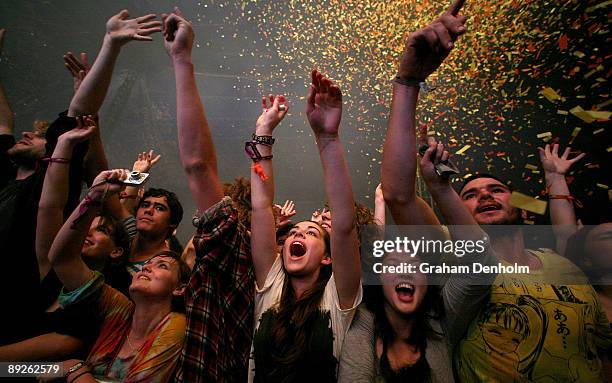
x=131, y=346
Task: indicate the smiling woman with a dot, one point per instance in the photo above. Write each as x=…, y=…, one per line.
x=138, y=340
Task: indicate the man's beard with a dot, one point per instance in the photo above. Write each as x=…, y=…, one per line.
x=504, y=227
x=23, y=158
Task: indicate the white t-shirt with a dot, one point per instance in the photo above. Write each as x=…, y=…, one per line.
x=268, y=298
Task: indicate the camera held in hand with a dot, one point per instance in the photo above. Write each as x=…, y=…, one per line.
x=135, y=178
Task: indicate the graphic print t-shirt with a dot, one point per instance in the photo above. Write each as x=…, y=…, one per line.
x=535, y=331
x=329, y=327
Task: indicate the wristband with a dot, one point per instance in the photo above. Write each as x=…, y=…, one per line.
x=86, y=204
x=420, y=83
x=250, y=147
x=264, y=140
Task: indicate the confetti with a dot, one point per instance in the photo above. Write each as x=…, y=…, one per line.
x=525, y=202
x=463, y=149
x=550, y=94
x=521, y=68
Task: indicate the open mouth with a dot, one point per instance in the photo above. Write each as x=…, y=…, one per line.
x=489, y=207
x=405, y=291
x=144, y=277
x=297, y=249
x=88, y=242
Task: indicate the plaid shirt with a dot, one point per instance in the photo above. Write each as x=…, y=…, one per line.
x=219, y=301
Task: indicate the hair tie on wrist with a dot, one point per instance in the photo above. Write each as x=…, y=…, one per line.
x=568, y=197
x=56, y=160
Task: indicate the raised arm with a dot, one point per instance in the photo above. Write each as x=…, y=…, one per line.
x=195, y=142
x=463, y=294
x=324, y=111
x=263, y=225
x=425, y=50
x=6, y=114
x=119, y=31
x=379, y=206
x=54, y=194
x=65, y=253
x=562, y=214
x=91, y=84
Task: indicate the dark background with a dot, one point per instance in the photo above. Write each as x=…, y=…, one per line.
x=487, y=93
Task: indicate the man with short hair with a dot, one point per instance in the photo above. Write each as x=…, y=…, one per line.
x=566, y=324
x=22, y=172
x=158, y=215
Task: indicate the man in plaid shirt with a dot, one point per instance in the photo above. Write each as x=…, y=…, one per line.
x=220, y=295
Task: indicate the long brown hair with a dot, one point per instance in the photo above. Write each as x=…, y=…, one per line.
x=296, y=317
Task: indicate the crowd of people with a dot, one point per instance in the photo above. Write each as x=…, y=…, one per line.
x=97, y=281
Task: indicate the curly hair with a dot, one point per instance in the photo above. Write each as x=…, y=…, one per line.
x=240, y=192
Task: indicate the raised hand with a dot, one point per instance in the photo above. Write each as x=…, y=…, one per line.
x=145, y=161
x=284, y=213
x=77, y=68
x=178, y=34
x=553, y=164
x=107, y=183
x=271, y=115
x=323, y=106
x=122, y=30
x=427, y=47
x=435, y=154
x=86, y=125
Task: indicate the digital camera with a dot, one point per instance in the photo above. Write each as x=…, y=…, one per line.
x=135, y=178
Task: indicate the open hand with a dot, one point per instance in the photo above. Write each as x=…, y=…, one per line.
x=284, y=213
x=553, y=164
x=77, y=68
x=86, y=126
x=122, y=30
x=427, y=47
x=271, y=116
x=178, y=34
x=324, y=106
x=145, y=161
